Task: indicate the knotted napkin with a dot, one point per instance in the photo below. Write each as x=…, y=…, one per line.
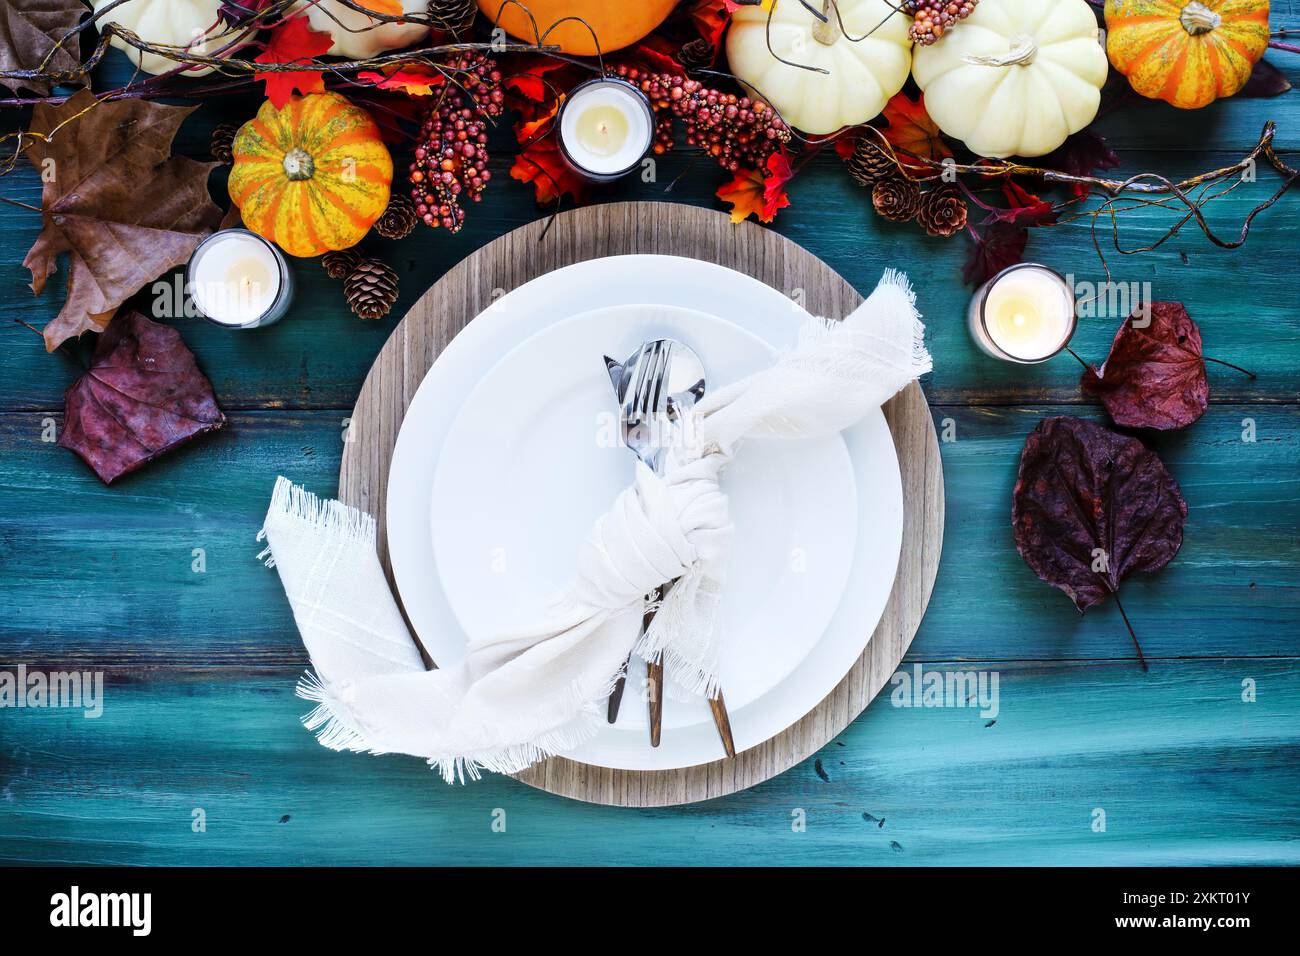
x=521, y=697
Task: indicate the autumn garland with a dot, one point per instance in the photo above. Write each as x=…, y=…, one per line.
x=905, y=147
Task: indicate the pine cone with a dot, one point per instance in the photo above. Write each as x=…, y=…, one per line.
x=223, y=139
x=943, y=211
x=869, y=164
x=455, y=16
x=696, y=53
x=896, y=198
x=398, y=219
x=340, y=263
x=371, y=289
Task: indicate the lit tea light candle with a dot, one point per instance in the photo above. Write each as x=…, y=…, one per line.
x=1023, y=314
x=239, y=280
x=606, y=128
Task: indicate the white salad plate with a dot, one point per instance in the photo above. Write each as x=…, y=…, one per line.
x=642, y=280
x=533, y=459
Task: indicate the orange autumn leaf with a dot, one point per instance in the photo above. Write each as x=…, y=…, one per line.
x=415, y=79
x=911, y=131
x=542, y=165
x=539, y=160
x=752, y=192
x=529, y=129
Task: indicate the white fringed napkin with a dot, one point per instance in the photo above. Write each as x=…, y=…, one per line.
x=522, y=697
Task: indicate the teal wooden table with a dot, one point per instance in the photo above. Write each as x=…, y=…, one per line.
x=199, y=758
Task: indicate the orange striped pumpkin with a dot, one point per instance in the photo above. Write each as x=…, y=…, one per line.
x=1186, y=53
x=313, y=176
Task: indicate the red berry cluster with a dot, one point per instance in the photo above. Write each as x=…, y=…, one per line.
x=451, y=154
x=478, y=75
x=933, y=17
x=735, y=130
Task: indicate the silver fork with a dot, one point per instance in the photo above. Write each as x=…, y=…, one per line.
x=645, y=408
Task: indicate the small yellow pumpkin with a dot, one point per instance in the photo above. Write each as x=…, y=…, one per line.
x=1186, y=53
x=313, y=176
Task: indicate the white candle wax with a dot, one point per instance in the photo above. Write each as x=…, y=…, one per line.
x=606, y=127
x=235, y=278
x=1025, y=313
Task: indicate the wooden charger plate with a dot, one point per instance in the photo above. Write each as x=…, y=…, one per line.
x=664, y=229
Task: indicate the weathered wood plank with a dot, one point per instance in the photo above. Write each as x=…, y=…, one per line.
x=1184, y=770
x=95, y=574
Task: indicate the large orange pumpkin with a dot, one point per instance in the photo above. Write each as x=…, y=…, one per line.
x=313, y=176
x=1186, y=53
x=618, y=23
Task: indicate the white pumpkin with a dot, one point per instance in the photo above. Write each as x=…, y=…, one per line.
x=182, y=23
x=1016, y=77
x=359, y=37
x=859, y=79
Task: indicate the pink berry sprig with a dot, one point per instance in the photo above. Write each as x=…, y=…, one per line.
x=735, y=130
x=451, y=155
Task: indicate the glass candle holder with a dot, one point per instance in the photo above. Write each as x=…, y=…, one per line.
x=1024, y=314
x=606, y=127
x=238, y=280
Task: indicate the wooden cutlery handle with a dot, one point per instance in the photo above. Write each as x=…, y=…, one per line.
x=655, y=677
x=655, y=674
x=722, y=721
x=616, y=697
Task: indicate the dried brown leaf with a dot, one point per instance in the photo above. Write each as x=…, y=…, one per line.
x=116, y=201
x=29, y=31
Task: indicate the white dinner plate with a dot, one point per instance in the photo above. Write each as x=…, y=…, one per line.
x=533, y=459
x=627, y=280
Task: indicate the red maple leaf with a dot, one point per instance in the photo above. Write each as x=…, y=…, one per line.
x=711, y=18
x=1026, y=208
x=528, y=77
x=654, y=54
x=759, y=192
x=293, y=41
